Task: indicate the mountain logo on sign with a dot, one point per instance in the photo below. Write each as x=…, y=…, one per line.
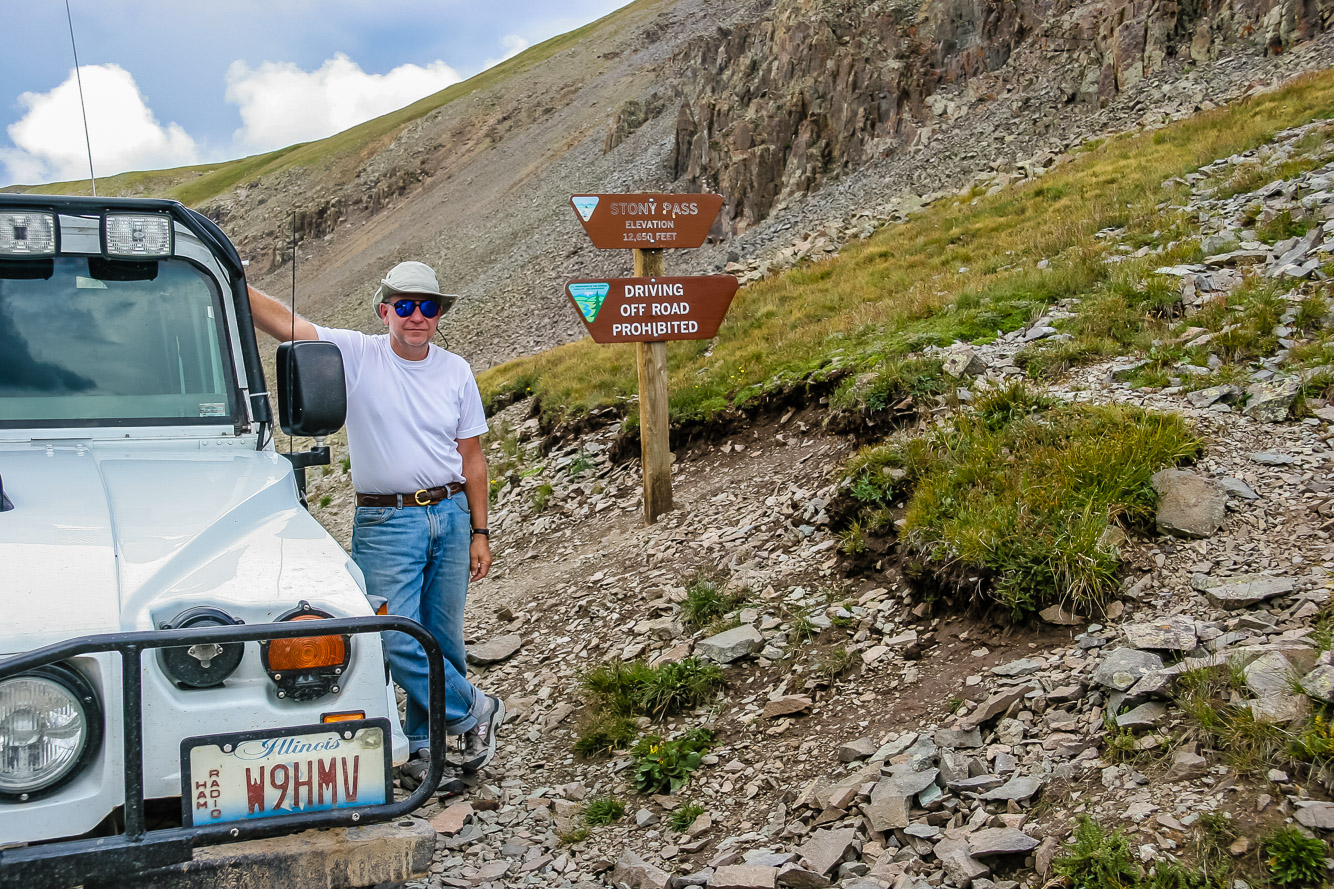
x=589, y=297
x=585, y=204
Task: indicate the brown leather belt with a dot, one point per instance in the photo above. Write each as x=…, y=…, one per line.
x=424, y=497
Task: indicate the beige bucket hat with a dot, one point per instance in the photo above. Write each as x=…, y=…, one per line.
x=414, y=278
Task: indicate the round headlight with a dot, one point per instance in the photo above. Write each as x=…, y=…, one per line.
x=50, y=725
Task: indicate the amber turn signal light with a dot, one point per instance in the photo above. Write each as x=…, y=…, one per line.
x=343, y=717
x=306, y=668
x=307, y=652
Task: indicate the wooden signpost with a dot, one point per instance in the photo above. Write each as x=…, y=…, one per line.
x=650, y=308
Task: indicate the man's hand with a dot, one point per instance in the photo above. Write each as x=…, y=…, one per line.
x=479, y=556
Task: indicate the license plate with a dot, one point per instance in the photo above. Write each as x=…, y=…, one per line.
x=248, y=775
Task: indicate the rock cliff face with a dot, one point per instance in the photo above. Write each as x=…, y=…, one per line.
x=779, y=104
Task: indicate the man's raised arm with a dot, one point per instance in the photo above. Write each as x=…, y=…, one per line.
x=276, y=319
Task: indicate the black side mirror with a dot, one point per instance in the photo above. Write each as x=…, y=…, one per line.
x=5, y=504
x=312, y=393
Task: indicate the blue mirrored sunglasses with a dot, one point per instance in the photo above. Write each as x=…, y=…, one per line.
x=405, y=307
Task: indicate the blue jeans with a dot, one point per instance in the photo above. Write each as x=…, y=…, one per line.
x=417, y=558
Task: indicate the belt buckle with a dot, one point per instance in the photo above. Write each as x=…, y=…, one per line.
x=418, y=497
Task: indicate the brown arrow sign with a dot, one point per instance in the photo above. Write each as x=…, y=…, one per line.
x=646, y=310
x=647, y=221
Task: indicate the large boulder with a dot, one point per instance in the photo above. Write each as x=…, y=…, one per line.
x=637, y=873
x=892, y=798
x=1271, y=401
x=731, y=645
x=1245, y=590
x=1319, y=683
x=962, y=361
x=961, y=868
x=1000, y=841
x=1189, y=505
x=494, y=651
x=825, y=850
x=1123, y=667
x=1269, y=674
x=743, y=876
x=1170, y=634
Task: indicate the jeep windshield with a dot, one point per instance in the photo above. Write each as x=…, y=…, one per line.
x=112, y=342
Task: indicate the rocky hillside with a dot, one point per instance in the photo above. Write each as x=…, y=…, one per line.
x=803, y=113
x=804, y=675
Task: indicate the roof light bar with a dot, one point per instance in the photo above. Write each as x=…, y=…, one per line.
x=137, y=235
x=27, y=233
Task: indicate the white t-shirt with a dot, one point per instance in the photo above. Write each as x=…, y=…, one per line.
x=404, y=418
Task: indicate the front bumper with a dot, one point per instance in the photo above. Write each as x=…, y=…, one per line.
x=343, y=858
x=70, y=862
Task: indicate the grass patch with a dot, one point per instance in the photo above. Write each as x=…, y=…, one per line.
x=1311, y=314
x=636, y=689
x=1319, y=385
x=706, y=601
x=603, y=733
x=1095, y=858
x=1127, y=312
x=1204, y=697
x=802, y=627
x=665, y=766
x=1283, y=226
x=1020, y=491
x=603, y=810
x=574, y=837
x=836, y=663
x=1312, y=151
x=890, y=385
x=505, y=457
x=1294, y=859
x=1119, y=744
x=684, y=815
x=542, y=496
x=1208, y=696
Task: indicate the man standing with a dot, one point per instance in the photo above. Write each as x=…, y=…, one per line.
x=413, y=424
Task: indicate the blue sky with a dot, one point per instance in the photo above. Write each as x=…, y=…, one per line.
x=169, y=83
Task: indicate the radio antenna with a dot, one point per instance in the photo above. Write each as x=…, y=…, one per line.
x=87, y=140
x=293, y=340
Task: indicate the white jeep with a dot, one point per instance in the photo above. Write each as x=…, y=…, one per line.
x=186, y=657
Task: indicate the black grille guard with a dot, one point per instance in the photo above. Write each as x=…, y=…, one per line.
x=66, y=863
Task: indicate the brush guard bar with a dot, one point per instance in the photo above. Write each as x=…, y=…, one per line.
x=65, y=863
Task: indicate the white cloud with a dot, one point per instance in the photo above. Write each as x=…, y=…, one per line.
x=125, y=135
x=514, y=44
x=281, y=104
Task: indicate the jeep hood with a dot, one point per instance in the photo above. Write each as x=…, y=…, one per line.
x=109, y=538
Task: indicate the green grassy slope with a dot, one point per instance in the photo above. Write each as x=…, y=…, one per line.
x=963, y=269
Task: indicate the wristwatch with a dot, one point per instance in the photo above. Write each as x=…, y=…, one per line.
x=485, y=532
